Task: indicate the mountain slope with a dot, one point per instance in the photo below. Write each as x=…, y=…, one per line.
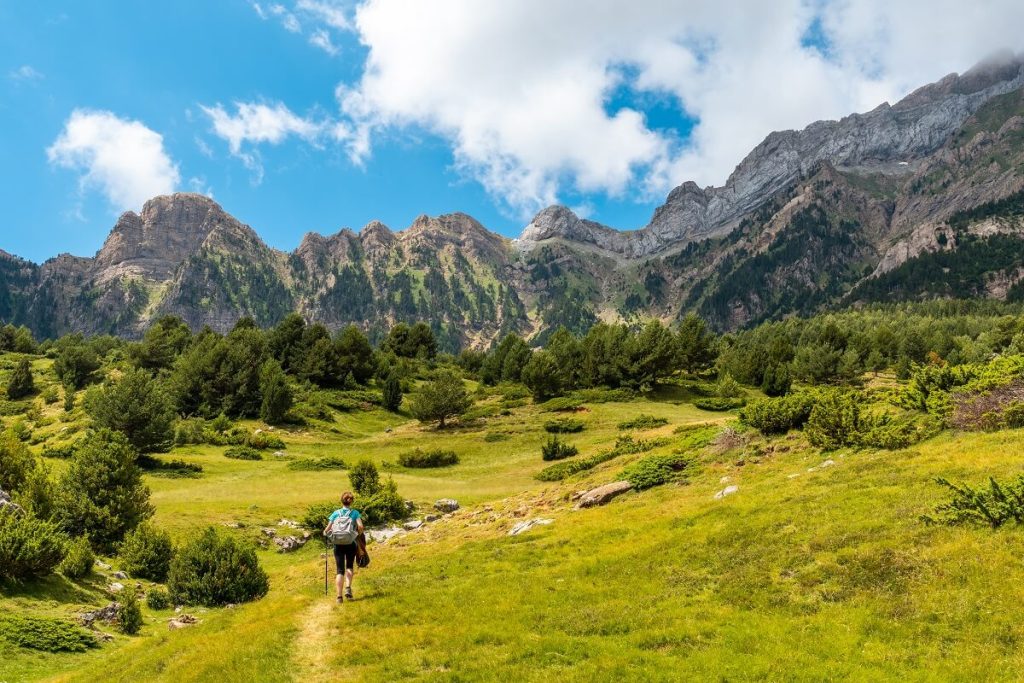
x=908, y=201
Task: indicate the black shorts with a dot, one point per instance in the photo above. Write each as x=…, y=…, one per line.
x=345, y=557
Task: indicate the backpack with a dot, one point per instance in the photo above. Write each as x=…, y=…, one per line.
x=343, y=529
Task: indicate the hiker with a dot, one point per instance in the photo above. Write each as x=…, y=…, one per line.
x=344, y=528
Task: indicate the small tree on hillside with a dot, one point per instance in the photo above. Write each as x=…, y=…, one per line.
x=76, y=364
x=543, y=377
x=277, y=395
x=443, y=398
x=695, y=344
x=391, y=390
x=20, y=383
x=365, y=478
x=138, y=407
x=101, y=494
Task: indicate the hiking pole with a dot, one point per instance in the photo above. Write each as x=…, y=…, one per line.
x=325, y=570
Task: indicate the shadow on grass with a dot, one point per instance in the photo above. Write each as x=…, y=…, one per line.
x=57, y=588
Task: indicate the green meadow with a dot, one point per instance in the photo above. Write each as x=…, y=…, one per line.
x=806, y=572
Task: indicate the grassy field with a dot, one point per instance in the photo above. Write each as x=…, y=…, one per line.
x=807, y=572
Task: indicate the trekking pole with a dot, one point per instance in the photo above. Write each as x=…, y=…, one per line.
x=325, y=570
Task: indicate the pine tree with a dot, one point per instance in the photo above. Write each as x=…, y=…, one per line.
x=391, y=391
x=101, y=494
x=138, y=407
x=543, y=376
x=443, y=398
x=20, y=383
x=277, y=395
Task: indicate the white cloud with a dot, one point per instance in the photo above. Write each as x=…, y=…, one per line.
x=330, y=13
x=522, y=89
x=199, y=185
x=25, y=73
x=322, y=39
x=258, y=123
x=122, y=158
x=288, y=20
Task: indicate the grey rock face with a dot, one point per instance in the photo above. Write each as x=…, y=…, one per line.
x=603, y=494
x=911, y=129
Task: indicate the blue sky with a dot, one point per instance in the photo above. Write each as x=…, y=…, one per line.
x=305, y=115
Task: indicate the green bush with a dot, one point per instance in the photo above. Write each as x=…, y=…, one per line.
x=146, y=553
x=561, y=404
x=158, y=598
x=79, y=559
x=1013, y=415
x=62, y=452
x=264, y=441
x=137, y=406
x=565, y=425
x=50, y=395
x=174, y=469
x=491, y=437
x=643, y=422
x=994, y=504
x=243, y=453
x=44, y=634
x=365, y=478
x=20, y=383
x=624, y=445
x=654, y=470
x=391, y=393
x=384, y=506
x=29, y=547
x=435, y=457
x=556, y=449
x=778, y=415
x=316, y=515
x=835, y=420
x=327, y=462
x=718, y=403
x=129, y=613
x=213, y=569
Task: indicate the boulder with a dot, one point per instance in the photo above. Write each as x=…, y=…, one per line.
x=279, y=454
x=528, y=524
x=431, y=518
x=287, y=544
x=102, y=565
x=446, y=505
x=120, y=575
x=115, y=587
x=7, y=504
x=412, y=525
x=727, y=491
x=603, y=494
x=291, y=524
x=382, y=535
x=107, y=614
x=181, y=621
x=268, y=531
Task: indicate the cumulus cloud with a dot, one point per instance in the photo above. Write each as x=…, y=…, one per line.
x=256, y=123
x=326, y=17
x=540, y=96
x=122, y=158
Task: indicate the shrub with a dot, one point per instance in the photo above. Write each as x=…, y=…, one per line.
x=50, y=395
x=623, y=445
x=174, y=469
x=436, y=457
x=561, y=404
x=129, y=613
x=243, y=453
x=212, y=569
x=29, y=547
x=563, y=425
x=491, y=437
x=264, y=440
x=1014, y=415
x=365, y=478
x=556, y=449
x=316, y=515
x=44, y=634
x=835, y=420
x=385, y=505
x=327, y=462
x=994, y=504
x=778, y=415
x=79, y=559
x=643, y=422
x=655, y=470
x=158, y=598
x=101, y=494
x=728, y=387
x=61, y=452
x=146, y=553
x=777, y=380
x=718, y=403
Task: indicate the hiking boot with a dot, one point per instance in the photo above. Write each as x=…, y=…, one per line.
x=340, y=599
x=348, y=594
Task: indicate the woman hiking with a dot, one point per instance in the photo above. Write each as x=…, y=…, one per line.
x=344, y=527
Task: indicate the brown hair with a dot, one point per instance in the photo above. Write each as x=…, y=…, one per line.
x=347, y=498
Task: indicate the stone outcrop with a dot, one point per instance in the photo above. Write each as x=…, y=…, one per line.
x=603, y=494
